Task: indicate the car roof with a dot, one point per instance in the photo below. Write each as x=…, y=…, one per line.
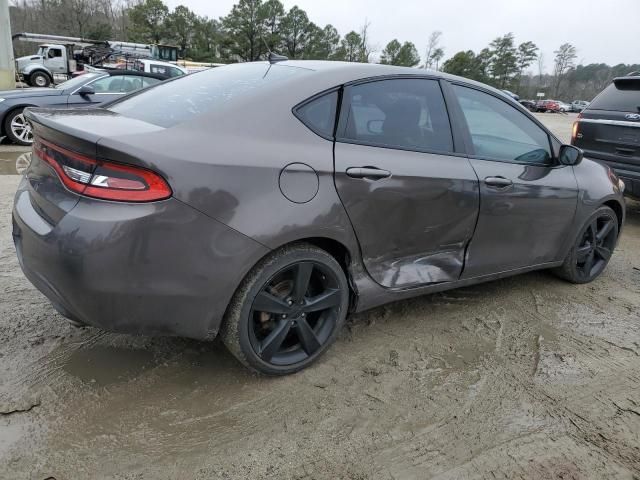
x=357, y=71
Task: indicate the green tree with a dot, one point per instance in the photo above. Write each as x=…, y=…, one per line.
x=405, y=55
x=181, y=27
x=504, y=61
x=245, y=27
x=390, y=52
x=272, y=11
x=323, y=43
x=526, y=55
x=295, y=31
x=436, y=56
x=148, y=21
x=350, y=48
x=465, y=64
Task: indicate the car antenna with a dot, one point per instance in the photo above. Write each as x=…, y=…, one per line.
x=273, y=57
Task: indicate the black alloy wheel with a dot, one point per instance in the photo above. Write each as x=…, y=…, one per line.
x=596, y=246
x=293, y=306
x=593, y=248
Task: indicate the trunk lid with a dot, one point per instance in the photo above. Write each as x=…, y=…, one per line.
x=77, y=131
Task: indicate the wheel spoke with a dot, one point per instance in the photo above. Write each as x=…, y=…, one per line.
x=270, y=345
x=582, y=253
x=330, y=298
x=266, y=302
x=303, y=275
x=588, y=264
x=603, y=252
x=307, y=336
x=604, y=231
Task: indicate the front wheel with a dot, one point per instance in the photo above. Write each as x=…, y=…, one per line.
x=593, y=248
x=287, y=311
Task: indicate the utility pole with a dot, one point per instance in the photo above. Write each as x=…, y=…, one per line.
x=7, y=64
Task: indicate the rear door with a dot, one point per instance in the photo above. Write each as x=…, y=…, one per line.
x=412, y=200
x=527, y=200
x=609, y=129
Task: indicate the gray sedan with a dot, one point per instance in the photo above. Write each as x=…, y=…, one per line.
x=85, y=90
x=263, y=202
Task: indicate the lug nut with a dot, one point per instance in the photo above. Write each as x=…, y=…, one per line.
x=284, y=315
x=290, y=302
x=303, y=315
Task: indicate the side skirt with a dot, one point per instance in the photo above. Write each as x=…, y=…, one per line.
x=371, y=295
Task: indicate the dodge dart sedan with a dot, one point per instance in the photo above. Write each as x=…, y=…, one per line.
x=263, y=202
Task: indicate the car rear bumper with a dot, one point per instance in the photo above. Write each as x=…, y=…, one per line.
x=628, y=172
x=155, y=268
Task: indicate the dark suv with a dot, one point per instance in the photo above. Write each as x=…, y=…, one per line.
x=609, y=130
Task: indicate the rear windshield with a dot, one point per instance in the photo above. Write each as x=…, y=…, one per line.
x=175, y=102
x=620, y=96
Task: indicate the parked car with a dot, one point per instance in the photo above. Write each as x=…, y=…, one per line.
x=89, y=89
x=608, y=129
x=529, y=105
x=579, y=105
x=563, y=107
x=332, y=188
x=547, y=106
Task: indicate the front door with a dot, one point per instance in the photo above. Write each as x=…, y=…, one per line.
x=412, y=201
x=527, y=200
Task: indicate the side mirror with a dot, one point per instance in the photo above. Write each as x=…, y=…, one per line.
x=570, y=155
x=86, y=90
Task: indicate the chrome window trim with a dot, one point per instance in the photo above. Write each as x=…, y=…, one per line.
x=602, y=121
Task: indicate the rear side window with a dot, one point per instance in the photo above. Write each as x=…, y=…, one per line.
x=501, y=132
x=319, y=114
x=403, y=113
x=622, y=96
x=181, y=99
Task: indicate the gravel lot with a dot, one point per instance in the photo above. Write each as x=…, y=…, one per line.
x=527, y=377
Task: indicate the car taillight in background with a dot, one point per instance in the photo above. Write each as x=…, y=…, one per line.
x=102, y=179
x=574, y=132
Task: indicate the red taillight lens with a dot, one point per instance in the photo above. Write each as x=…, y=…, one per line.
x=101, y=179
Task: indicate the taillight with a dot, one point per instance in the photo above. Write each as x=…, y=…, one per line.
x=102, y=179
x=574, y=132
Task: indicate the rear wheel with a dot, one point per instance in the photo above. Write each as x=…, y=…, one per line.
x=17, y=128
x=288, y=310
x=592, y=249
x=39, y=79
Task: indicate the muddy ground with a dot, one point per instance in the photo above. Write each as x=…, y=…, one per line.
x=528, y=377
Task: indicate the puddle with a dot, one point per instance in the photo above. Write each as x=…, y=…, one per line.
x=102, y=366
x=14, y=163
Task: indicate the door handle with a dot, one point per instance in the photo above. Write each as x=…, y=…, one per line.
x=371, y=173
x=499, y=182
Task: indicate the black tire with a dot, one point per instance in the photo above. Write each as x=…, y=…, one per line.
x=20, y=136
x=39, y=79
x=250, y=333
x=592, y=248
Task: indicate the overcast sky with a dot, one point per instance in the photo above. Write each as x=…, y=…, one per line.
x=602, y=30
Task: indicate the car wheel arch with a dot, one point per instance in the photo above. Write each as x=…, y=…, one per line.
x=617, y=209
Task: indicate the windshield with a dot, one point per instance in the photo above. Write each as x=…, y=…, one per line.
x=41, y=51
x=78, y=81
x=176, y=101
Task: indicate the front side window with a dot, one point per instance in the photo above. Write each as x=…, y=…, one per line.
x=159, y=69
x=319, y=114
x=402, y=113
x=111, y=84
x=54, y=52
x=175, y=72
x=499, y=131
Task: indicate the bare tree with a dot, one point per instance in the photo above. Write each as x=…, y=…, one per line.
x=432, y=46
x=365, y=47
x=564, y=61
